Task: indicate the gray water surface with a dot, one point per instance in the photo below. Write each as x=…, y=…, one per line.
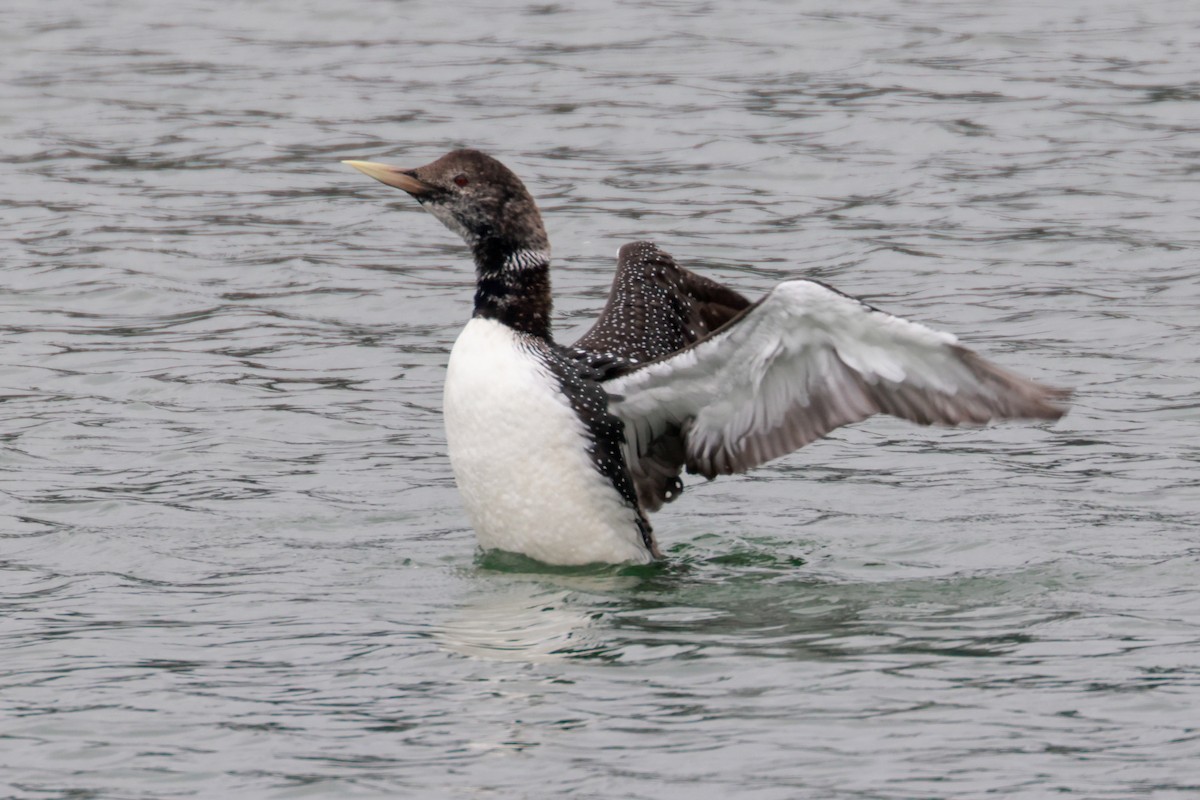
x=233, y=562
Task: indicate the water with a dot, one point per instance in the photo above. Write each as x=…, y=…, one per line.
x=234, y=564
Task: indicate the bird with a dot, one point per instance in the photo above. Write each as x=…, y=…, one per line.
x=561, y=451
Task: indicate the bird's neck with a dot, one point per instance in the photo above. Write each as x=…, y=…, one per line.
x=513, y=285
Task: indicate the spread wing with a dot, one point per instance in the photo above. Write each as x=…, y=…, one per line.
x=655, y=308
x=804, y=360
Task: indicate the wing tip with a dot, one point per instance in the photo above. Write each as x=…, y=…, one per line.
x=1030, y=399
x=641, y=248
x=1053, y=403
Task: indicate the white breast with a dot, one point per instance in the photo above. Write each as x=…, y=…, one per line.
x=520, y=457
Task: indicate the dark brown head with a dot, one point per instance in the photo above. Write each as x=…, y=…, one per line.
x=473, y=195
x=482, y=201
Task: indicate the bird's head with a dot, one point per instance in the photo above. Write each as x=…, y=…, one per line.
x=473, y=195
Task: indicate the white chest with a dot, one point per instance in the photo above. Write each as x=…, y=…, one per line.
x=520, y=457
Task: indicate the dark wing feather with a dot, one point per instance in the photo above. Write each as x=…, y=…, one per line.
x=655, y=308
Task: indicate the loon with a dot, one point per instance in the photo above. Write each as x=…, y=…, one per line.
x=560, y=451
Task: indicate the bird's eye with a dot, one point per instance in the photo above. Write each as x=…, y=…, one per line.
x=461, y=180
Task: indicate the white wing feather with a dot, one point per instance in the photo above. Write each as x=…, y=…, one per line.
x=803, y=361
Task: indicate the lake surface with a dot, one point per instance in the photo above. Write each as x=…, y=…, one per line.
x=233, y=561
